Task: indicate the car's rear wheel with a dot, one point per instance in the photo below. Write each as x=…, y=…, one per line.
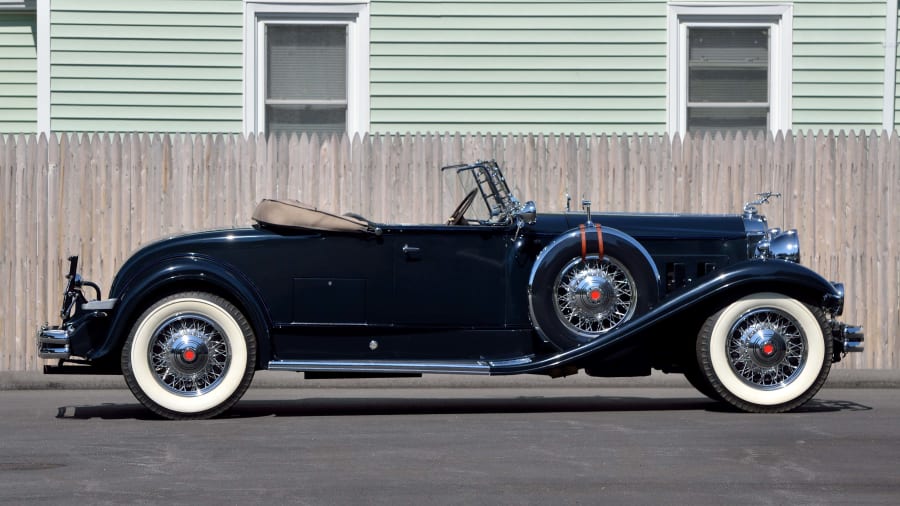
x=765, y=353
x=190, y=355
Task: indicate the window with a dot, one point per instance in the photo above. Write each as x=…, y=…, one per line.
x=306, y=78
x=306, y=67
x=729, y=68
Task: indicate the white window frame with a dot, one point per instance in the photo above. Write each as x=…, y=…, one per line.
x=352, y=13
x=41, y=8
x=777, y=18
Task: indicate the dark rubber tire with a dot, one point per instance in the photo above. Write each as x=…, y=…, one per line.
x=214, y=369
x=543, y=302
x=758, y=388
x=698, y=380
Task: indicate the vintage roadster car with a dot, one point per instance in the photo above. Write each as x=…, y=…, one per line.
x=496, y=290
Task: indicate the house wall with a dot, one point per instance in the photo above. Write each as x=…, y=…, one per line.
x=838, y=64
x=489, y=66
x=468, y=65
x=518, y=67
x=18, y=72
x=146, y=65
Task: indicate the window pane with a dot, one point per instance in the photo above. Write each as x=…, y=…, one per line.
x=701, y=119
x=731, y=85
x=725, y=47
x=728, y=65
x=306, y=62
x=305, y=118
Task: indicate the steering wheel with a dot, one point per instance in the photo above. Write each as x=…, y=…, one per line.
x=457, y=217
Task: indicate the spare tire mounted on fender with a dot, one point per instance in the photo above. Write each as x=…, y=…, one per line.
x=580, y=290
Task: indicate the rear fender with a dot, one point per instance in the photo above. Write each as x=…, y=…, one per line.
x=182, y=273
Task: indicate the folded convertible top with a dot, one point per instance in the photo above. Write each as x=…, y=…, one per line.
x=295, y=214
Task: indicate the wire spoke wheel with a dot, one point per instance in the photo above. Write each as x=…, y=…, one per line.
x=189, y=354
x=765, y=352
x=594, y=295
x=767, y=349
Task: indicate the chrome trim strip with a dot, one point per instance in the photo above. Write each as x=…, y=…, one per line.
x=511, y=362
x=382, y=366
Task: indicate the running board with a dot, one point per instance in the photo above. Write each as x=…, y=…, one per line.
x=383, y=366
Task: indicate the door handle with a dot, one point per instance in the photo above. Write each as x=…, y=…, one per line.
x=411, y=251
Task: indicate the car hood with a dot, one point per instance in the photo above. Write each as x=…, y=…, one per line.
x=651, y=226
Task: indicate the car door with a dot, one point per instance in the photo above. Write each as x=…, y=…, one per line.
x=450, y=276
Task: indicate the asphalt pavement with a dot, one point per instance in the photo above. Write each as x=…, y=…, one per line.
x=459, y=446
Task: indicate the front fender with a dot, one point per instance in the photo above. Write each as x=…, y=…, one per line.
x=729, y=284
x=137, y=289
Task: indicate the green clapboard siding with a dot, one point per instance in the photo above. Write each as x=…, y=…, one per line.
x=18, y=73
x=518, y=66
x=507, y=66
x=146, y=65
x=838, y=64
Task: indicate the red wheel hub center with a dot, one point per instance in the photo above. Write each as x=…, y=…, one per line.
x=768, y=348
x=595, y=295
x=189, y=355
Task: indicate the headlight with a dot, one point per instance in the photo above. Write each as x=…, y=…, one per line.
x=786, y=246
x=783, y=245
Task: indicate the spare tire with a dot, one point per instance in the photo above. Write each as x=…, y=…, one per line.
x=575, y=296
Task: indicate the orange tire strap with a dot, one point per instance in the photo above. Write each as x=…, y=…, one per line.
x=583, y=230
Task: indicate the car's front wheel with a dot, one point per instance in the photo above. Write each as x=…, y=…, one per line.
x=190, y=355
x=765, y=353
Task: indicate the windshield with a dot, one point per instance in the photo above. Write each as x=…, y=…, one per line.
x=497, y=204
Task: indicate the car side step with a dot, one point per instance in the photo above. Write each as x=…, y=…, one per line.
x=383, y=366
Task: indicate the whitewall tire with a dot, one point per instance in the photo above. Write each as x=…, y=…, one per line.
x=189, y=355
x=766, y=352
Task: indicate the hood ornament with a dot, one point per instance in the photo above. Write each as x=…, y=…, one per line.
x=751, y=209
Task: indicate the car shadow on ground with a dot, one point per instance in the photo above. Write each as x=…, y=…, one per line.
x=372, y=406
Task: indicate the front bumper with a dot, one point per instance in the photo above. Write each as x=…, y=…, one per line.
x=847, y=339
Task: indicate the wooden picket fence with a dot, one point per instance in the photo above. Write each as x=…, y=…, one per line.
x=103, y=196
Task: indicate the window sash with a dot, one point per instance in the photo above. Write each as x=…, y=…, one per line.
x=305, y=78
x=727, y=78
x=776, y=17
x=351, y=14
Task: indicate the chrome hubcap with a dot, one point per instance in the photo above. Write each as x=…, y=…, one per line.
x=766, y=348
x=189, y=354
x=594, y=296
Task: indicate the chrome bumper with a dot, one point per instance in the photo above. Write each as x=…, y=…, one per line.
x=847, y=338
x=53, y=343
